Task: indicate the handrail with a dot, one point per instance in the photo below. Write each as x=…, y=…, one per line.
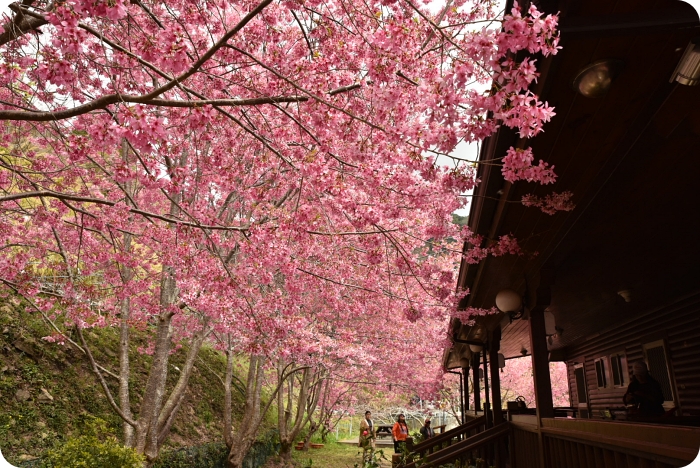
x=428, y=444
x=451, y=453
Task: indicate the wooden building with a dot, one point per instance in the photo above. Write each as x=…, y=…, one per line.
x=620, y=273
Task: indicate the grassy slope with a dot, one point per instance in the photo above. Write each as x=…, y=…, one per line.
x=28, y=428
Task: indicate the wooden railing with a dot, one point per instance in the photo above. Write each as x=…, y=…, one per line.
x=446, y=439
x=577, y=443
x=485, y=442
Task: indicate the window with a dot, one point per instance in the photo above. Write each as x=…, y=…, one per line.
x=658, y=368
x=618, y=366
x=580, y=377
x=601, y=372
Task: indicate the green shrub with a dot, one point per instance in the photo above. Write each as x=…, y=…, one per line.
x=211, y=455
x=94, y=448
x=90, y=452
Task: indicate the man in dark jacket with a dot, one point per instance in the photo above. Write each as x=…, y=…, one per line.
x=427, y=431
x=644, y=392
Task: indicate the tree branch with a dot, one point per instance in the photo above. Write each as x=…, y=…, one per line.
x=78, y=198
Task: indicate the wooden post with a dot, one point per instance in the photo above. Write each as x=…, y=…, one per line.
x=463, y=393
x=494, y=347
x=475, y=378
x=540, y=364
x=487, y=401
x=540, y=360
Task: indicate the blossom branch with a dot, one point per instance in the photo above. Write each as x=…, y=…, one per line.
x=66, y=196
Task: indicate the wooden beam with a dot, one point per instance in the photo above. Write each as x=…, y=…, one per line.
x=638, y=22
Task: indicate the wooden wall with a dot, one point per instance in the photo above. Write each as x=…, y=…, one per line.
x=678, y=324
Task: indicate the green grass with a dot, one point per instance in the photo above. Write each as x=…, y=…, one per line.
x=330, y=456
x=335, y=455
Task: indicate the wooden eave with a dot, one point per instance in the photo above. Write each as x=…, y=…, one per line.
x=630, y=159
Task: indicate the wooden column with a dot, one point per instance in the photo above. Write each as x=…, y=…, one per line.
x=463, y=392
x=540, y=361
x=540, y=364
x=494, y=347
x=487, y=401
x=475, y=378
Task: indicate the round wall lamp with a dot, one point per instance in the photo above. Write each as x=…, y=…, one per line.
x=508, y=300
x=475, y=348
x=595, y=79
x=464, y=363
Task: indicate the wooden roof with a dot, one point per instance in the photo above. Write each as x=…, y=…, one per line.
x=632, y=161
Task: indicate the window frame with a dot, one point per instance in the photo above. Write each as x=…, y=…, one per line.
x=603, y=363
x=667, y=404
x=623, y=371
x=584, y=384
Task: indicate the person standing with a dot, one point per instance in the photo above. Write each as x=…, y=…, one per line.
x=399, y=433
x=426, y=431
x=644, y=392
x=368, y=433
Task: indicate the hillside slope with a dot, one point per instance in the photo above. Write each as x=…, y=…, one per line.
x=47, y=390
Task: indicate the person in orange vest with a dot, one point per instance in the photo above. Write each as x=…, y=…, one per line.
x=399, y=433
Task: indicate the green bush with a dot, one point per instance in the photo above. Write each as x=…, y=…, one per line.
x=211, y=455
x=88, y=451
x=94, y=448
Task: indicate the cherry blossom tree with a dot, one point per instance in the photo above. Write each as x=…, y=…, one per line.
x=517, y=380
x=200, y=167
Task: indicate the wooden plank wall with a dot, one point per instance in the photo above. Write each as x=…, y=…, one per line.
x=677, y=323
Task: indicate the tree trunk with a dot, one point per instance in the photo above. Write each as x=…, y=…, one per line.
x=146, y=432
x=242, y=439
x=125, y=370
x=306, y=401
x=286, y=453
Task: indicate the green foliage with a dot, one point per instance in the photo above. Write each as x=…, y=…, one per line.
x=371, y=459
x=92, y=451
x=202, y=456
x=214, y=455
x=460, y=220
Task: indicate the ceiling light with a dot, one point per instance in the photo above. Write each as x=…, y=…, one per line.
x=595, y=79
x=508, y=300
x=687, y=71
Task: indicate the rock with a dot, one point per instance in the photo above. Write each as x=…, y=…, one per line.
x=26, y=457
x=41, y=424
x=22, y=395
x=5, y=331
x=44, y=396
x=109, y=352
x=25, y=347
